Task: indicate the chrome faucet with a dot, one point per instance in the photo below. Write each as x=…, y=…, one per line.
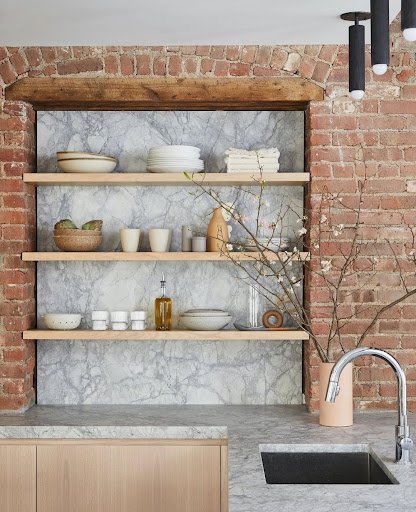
x=403, y=441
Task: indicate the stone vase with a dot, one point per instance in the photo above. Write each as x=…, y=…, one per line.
x=339, y=413
x=217, y=234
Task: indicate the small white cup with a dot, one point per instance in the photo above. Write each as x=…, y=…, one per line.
x=119, y=326
x=100, y=315
x=99, y=325
x=160, y=239
x=138, y=325
x=138, y=315
x=130, y=239
x=199, y=244
x=120, y=316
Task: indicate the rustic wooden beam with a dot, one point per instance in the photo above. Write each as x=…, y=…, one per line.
x=165, y=93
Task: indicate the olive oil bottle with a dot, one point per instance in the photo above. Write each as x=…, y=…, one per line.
x=163, y=309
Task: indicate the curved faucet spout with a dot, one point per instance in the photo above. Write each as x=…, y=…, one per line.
x=403, y=441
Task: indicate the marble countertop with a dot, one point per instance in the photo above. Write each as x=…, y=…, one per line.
x=246, y=427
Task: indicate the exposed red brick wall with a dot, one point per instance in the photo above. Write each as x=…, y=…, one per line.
x=344, y=137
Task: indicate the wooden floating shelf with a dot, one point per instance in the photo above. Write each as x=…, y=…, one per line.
x=151, y=256
x=144, y=179
x=78, y=334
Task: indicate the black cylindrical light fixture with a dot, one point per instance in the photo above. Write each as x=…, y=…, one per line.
x=357, y=59
x=409, y=19
x=380, y=38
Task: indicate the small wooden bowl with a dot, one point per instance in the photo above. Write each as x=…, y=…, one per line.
x=77, y=243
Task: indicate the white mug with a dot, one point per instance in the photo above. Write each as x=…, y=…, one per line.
x=130, y=239
x=160, y=239
x=120, y=316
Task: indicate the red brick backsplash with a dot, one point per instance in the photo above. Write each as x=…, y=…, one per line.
x=345, y=140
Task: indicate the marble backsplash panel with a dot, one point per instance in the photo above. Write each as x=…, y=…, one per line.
x=77, y=372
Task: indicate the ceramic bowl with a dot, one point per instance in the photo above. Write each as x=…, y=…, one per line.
x=69, y=155
x=206, y=313
x=94, y=165
x=205, y=323
x=76, y=243
x=62, y=322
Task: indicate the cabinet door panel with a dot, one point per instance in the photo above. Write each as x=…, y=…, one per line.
x=18, y=478
x=128, y=478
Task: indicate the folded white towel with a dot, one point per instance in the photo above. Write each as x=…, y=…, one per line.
x=257, y=152
x=250, y=171
x=261, y=160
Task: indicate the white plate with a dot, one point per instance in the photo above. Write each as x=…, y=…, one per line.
x=88, y=165
x=174, y=161
x=174, y=148
x=175, y=169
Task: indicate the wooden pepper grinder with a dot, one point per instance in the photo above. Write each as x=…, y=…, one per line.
x=217, y=234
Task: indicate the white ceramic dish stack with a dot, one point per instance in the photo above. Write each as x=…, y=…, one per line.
x=138, y=320
x=79, y=162
x=100, y=320
x=273, y=244
x=205, y=319
x=174, y=159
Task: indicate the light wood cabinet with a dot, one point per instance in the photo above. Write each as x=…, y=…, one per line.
x=18, y=478
x=129, y=478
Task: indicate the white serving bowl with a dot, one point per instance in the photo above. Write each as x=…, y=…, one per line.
x=69, y=155
x=205, y=323
x=62, y=321
x=80, y=165
x=206, y=313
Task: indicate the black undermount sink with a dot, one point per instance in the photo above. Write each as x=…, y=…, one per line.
x=323, y=468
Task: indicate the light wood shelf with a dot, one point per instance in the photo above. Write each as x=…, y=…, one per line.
x=151, y=256
x=158, y=179
x=79, y=334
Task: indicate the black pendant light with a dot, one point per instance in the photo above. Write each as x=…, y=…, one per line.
x=356, y=52
x=409, y=19
x=380, y=37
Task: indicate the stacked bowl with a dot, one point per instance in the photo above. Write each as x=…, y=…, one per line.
x=174, y=159
x=271, y=244
x=76, y=161
x=205, y=319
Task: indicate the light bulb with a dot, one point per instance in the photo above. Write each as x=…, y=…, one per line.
x=409, y=34
x=379, y=69
x=357, y=94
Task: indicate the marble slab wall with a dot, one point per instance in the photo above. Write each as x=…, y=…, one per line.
x=164, y=372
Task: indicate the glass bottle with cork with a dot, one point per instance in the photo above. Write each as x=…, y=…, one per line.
x=163, y=309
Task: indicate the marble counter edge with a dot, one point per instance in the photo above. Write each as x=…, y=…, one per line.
x=113, y=432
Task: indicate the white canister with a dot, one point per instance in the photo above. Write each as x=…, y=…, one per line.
x=130, y=239
x=199, y=244
x=138, y=315
x=138, y=325
x=120, y=316
x=99, y=325
x=186, y=239
x=160, y=239
x=119, y=326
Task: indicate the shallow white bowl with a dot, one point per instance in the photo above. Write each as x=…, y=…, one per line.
x=204, y=323
x=206, y=313
x=69, y=155
x=62, y=321
x=80, y=165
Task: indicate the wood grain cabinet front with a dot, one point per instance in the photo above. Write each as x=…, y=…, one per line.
x=18, y=478
x=88, y=478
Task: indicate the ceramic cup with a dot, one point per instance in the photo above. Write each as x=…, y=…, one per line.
x=119, y=326
x=138, y=325
x=186, y=239
x=119, y=316
x=160, y=239
x=138, y=315
x=99, y=325
x=100, y=315
x=130, y=239
x=199, y=244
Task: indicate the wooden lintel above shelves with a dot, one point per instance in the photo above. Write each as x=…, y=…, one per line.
x=165, y=93
x=151, y=256
x=79, y=334
x=158, y=179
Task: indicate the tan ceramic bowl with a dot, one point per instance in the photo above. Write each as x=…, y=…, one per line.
x=76, y=243
x=77, y=232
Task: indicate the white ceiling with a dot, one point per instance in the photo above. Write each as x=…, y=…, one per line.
x=180, y=22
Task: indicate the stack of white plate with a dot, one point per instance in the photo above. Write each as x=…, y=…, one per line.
x=77, y=161
x=272, y=244
x=175, y=159
x=205, y=319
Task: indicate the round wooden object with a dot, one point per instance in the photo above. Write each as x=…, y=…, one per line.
x=272, y=313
